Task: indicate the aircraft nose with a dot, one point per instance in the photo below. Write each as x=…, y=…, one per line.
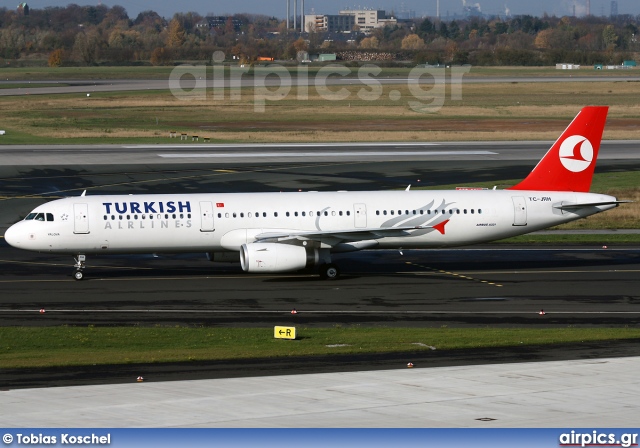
x=12, y=236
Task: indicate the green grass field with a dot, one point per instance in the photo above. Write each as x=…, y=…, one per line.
x=65, y=346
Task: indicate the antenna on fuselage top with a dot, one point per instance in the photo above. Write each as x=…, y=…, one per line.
x=84, y=193
x=408, y=187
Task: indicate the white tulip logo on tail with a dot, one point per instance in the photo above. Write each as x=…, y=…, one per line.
x=576, y=153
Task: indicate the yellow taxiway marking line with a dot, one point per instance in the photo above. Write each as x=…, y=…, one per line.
x=599, y=271
x=557, y=272
x=453, y=274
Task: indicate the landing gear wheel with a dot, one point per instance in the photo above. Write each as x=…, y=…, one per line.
x=80, y=264
x=329, y=271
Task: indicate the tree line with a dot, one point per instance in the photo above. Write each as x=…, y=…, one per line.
x=92, y=35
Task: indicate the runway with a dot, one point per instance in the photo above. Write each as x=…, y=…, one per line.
x=251, y=154
x=492, y=285
x=203, y=77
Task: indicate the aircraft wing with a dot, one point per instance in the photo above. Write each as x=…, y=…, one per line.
x=350, y=234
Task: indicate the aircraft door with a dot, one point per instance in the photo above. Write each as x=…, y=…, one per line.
x=360, y=215
x=519, y=211
x=80, y=218
x=206, y=217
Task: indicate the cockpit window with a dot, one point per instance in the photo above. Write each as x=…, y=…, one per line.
x=39, y=217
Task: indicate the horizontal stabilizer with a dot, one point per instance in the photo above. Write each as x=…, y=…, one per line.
x=588, y=204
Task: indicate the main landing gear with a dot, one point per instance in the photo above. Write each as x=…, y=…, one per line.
x=80, y=265
x=329, y=271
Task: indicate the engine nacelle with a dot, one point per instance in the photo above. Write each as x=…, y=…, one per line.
x=275, y=257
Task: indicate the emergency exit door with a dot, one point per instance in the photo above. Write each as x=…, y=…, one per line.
x=360, y=215
x=206, y=217
x=80, y=218
x=519, y=211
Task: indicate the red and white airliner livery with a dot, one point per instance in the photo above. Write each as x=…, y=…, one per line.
x=280, y=232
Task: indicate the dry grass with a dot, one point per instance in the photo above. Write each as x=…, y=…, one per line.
x=625, y=216
x=509, y=111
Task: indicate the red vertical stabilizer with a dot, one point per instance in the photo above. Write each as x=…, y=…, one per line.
x=569, y=164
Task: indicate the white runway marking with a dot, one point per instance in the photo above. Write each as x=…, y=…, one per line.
x=326, y=154
x=192, y=311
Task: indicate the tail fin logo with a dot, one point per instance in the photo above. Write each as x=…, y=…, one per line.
x=576, y=153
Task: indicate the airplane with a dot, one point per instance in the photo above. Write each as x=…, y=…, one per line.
x=283, y=232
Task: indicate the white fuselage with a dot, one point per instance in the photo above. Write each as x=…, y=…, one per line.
x=223, y=222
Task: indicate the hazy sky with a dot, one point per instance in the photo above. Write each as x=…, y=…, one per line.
x=277, y=8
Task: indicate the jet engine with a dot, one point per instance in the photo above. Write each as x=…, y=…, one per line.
x=274, y=257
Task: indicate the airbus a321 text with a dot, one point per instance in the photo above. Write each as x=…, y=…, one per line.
x=280, y=232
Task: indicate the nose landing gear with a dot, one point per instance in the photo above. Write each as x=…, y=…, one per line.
x=80, y=265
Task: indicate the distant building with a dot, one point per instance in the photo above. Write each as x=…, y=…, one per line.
x=565, y=66
x=348, y=20
x=333, y=23
x=23, y=9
